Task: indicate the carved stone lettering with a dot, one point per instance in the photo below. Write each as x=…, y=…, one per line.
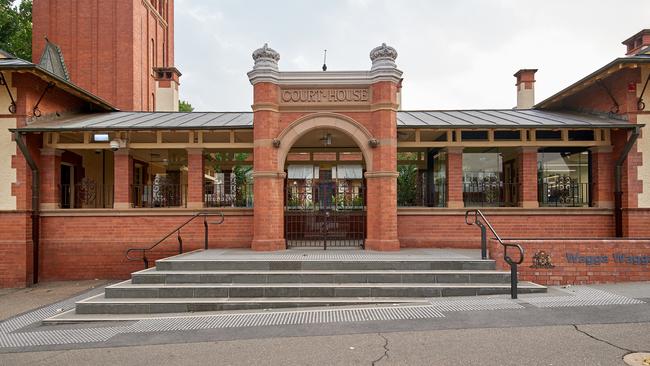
x=324, y=96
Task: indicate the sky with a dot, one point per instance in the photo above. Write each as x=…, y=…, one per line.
x=455, y=54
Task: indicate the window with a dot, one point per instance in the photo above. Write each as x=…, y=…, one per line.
x=490, y=177
x=501, y=135
x=564, y=177
x=474, y=135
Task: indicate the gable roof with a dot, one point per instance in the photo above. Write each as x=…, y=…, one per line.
x=618, y=64
x=52, y=60
x=57, y=74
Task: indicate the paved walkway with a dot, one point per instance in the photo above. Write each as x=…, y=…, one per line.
x=16, y=301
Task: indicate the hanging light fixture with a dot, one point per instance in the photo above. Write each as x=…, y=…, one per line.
x=326, y=139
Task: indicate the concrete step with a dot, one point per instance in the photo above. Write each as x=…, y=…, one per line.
x=100, y=304
x=300, y=290
x=155, y=276
x=180, y=264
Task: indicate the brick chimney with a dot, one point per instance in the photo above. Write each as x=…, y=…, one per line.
x=525, y=88
x=166, y=94
x=637, y=42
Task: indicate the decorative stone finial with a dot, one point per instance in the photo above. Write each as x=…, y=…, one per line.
x=266, y=58
x=383, y=57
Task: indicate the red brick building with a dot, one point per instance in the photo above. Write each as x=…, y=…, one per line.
x=323, y=159
x=122, y=51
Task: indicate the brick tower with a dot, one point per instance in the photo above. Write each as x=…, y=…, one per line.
x=122, y=51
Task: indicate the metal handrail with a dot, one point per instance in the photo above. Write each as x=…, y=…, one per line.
x=482, y=222
x=177, y=230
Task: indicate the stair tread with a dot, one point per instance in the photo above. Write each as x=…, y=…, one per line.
x=128, y=284
x=101, y=299
x=152, y=271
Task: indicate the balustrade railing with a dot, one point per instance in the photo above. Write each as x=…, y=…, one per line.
x=564, y=194
x=490, y=194
x=159, y=195
x=86, y=195
x=420, y=194
x=228, y=195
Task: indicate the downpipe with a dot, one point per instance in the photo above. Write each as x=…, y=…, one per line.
x=18, y=137
x=618, y=168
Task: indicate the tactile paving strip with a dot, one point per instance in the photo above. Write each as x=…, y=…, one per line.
x=580, y=296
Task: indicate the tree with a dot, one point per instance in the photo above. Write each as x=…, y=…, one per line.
x=16, y=28
x=183, y=106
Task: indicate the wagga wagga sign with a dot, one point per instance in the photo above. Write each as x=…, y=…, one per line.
x=325, y=96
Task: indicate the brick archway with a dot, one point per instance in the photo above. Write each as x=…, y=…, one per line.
x=292, y=133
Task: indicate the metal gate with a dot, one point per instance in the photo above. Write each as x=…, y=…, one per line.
x=325, y=214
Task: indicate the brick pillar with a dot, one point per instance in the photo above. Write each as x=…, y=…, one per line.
x=50, y=169
x=123, y=179
x=381, y=182
x=455, y=177
x=527, y=177
x=602, y=170
x=268, y=177
x=195, y=180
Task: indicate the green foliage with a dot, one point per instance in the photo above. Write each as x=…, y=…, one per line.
x=407, y=185
x=241, y=172
x=183, y=106
x=16, y=28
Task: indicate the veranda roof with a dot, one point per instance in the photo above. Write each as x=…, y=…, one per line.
x=466, y=119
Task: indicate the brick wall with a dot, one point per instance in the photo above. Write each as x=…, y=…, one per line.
x=107, y=45
x=450, y=230
x=15, y=249
x=595, y=260
x=636, y=222
x=88, y=247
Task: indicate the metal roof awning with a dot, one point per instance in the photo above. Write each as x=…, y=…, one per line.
x=505, y=118
x=437, y=119
x=126, y=121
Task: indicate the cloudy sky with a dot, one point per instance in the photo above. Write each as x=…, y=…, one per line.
x=454, y=54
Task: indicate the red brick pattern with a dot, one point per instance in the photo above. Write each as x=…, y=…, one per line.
x=88, y=247
x=123, y=166
x=195, y=178
x=107, y=46
x=450, y=231
x=50, y=177
x=633, y=266
x=636, y=222
x=15, y=249
x=454, y=177
x=527, y=177
x=602, y=177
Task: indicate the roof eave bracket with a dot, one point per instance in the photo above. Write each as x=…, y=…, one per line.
x=35, y=110
x=12, y=106
x=640, y=104
x=616, y=107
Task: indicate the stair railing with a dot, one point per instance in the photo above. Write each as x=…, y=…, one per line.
x=143, y=251
x=482, y=222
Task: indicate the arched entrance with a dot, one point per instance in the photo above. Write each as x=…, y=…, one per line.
x=325, y=190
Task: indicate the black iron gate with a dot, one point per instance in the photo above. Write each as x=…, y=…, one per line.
x=325, y=214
